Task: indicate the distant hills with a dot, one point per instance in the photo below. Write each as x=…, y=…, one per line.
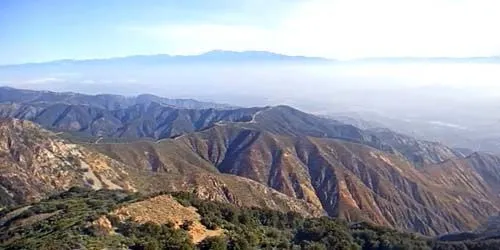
x=152, y=117
x=225, y=56
x=215, y=56
x=103, y=101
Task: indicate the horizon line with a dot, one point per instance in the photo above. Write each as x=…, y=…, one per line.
x=260, y=51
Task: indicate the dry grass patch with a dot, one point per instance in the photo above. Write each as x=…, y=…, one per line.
x=165, y=209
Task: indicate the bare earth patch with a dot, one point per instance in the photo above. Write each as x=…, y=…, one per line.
x=164, y=209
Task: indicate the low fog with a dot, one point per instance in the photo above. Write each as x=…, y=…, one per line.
x=454, y=103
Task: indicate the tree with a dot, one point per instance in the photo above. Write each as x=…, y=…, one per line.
x=213, y=243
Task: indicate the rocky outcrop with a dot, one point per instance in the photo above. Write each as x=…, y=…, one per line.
x=35, y=162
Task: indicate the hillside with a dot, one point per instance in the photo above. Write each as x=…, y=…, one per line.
x=107, y=219
x=347, y=180
x=419, y=152
x=271, y=157
x=90, y=116
x=152, y=120
x=35, y=163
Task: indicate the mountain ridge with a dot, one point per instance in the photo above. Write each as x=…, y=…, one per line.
x=349, y=180
x=220, y=56
x=35, y=163
x=274, y=157
x=213, y=56
x=94, y=116
x=107, y=101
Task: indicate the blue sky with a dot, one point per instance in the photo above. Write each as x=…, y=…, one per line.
x=43, y=30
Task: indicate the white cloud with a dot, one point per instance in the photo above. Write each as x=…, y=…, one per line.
x=351, y=28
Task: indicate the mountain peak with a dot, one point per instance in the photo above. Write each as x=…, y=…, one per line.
x=252, y=55
x=247, y=52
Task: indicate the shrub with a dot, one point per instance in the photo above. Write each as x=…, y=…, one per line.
x=213, y=243
x=187, y=225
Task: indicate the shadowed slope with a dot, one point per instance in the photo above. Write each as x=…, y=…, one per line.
x=35, y=163
x=346, y=179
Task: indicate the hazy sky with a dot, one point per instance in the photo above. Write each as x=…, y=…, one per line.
x=42, y=30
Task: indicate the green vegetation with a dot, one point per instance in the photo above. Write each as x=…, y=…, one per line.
x=65, y=221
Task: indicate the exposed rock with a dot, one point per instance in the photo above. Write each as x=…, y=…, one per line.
x=35, y=163
x=102, y=226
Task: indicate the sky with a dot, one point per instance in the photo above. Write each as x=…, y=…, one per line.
x=45, y=30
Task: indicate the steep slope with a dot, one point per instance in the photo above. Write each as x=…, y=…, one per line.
x=35, y=163
x=346, y=179
x=489, y=230
x=486, y=165
x=417, y=151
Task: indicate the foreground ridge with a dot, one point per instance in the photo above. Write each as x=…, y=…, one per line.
x=113, y=219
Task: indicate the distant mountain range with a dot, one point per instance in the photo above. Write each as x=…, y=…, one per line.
x=223, y=56
x=215, y=56
x=103, y=101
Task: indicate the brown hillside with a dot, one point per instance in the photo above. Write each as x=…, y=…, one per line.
x=35, y=163
x=349, y=180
